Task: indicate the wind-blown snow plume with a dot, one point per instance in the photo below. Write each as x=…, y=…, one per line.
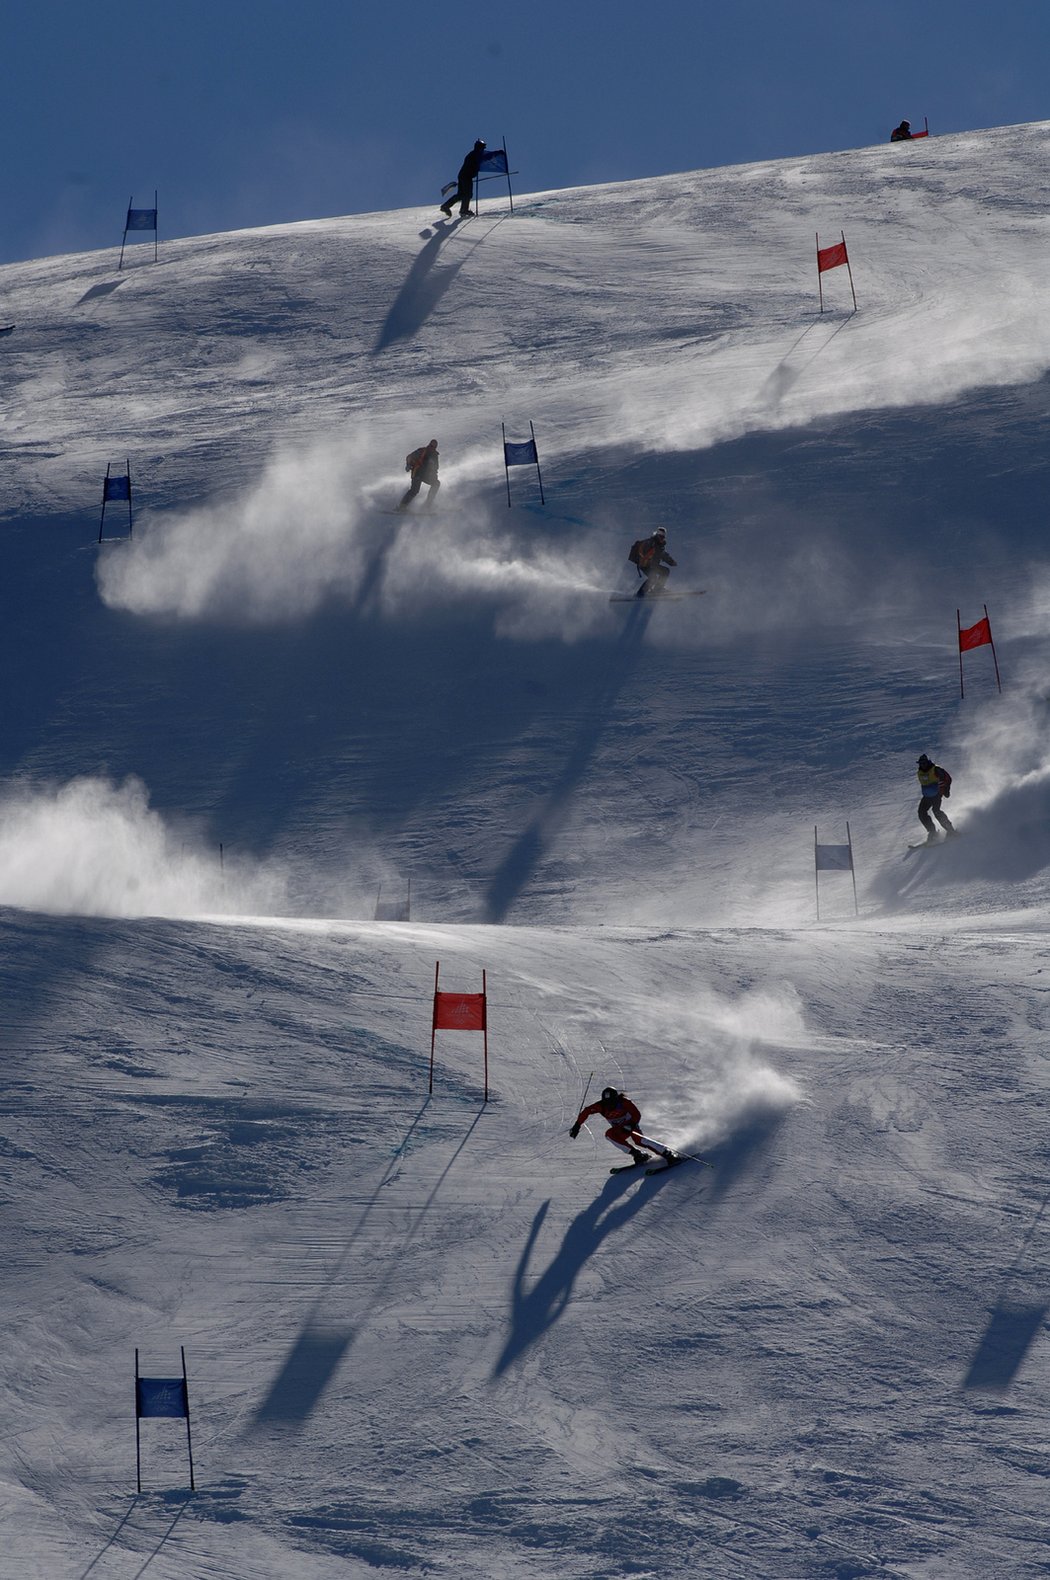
x=273, y=553
x=717, y=1083
x=92, y=848
x=306, y=533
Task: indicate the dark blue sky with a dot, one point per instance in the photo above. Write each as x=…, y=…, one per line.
x=254, y=112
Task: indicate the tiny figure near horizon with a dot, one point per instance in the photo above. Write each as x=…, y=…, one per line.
x=901, y=133
x=465, y=182
x=423, y=465
x=624, y=1119
x=653, y=562
x=936, y=785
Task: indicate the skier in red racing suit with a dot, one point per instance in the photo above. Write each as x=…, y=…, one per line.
x=624, y=1119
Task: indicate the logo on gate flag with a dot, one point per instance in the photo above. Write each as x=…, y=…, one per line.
x=459, y=1011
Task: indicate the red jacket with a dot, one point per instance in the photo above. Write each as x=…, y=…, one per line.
x=621, y=1112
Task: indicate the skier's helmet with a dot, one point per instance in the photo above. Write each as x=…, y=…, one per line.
x=905, y=126
x=432, y=445
x=924, y=761
x=610, y=1094
x=661, y=532
x=479, y=143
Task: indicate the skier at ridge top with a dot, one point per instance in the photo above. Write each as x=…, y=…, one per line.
x=465, y=182
x=624, y=1119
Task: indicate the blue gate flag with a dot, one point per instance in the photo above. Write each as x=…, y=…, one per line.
x=495, y=160
x=161, y=1396
x=141, y=219
x=521, y=453
x=834, y=858
x=116, y=488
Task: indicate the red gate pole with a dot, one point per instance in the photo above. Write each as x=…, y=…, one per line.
x=849, y=269
x=485, y=1028
x=433, y=1024
x=991, y=644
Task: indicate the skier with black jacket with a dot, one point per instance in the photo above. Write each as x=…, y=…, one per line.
x=465, y=190
x=423, y=465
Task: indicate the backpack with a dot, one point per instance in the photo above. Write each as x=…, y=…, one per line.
x=944, y=782
x=415, y=459
x=637, y=549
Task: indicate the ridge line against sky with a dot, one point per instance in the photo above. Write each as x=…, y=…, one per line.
x=252, y=113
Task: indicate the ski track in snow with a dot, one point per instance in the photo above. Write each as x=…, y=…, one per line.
x=427, y=1335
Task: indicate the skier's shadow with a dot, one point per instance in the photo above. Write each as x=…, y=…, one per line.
x=518, y=865
x=420, y=294
x=535, y=1310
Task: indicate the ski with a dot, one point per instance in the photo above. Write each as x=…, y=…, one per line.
x=669, y=1162
x=691, y=592
x=675, y=1159
x=627, y=1168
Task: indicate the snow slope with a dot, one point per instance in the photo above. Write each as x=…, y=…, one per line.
x=429, y=1335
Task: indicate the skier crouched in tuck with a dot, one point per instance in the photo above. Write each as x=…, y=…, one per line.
x=901, y=133
x=653, y=562
x=936, y=785
x=423, y=465
x=624, y=1119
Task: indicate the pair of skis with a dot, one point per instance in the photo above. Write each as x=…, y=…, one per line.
x=669, y=1162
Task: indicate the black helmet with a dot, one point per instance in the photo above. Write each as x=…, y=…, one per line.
x=480, y=143
x=924, y=761
x=610, y=1094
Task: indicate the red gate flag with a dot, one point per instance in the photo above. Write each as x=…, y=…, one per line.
x=834, y=257
x=979, y=635
x=976, y=635
x=459, y=1012
x=831, y=257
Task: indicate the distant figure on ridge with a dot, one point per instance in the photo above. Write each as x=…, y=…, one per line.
x=936, y=785
x=624, y=1118
x=652, y=559
x=901, y=133
x=423, y=465
x=465, y=190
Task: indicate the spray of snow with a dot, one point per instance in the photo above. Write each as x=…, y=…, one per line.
x=717, y=1083
x=93, y=848
x=306, y=532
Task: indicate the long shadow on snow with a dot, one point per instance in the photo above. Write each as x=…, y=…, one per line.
x=1014, y=1321
x=313, y=1358
x=741, y=1152
x=420, y=293
x=317, y=1352
x=517, y=867
x=534, y=1311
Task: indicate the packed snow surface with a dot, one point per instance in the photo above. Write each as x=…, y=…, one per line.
x=428, y=1334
